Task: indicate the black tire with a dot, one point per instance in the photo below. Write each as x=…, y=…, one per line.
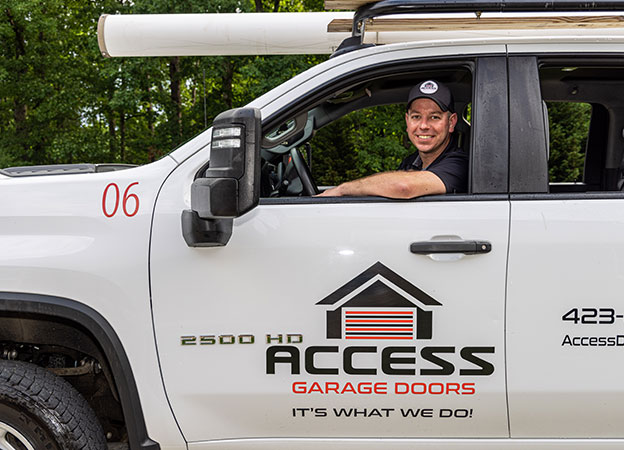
x=42, y=411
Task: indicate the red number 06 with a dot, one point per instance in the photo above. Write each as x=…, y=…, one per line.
x=124, y=201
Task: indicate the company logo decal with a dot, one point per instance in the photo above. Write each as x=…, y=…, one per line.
x=429, y=87
x=379, y=304
x=386, y=327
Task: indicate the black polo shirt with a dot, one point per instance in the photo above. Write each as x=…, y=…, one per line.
x=451, y=166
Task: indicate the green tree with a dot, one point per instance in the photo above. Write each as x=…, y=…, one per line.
x=41, y=73
x=569, y=127
x=62, y=102
x=362, y=143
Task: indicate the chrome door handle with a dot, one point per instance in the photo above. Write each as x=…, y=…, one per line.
x=465, y=247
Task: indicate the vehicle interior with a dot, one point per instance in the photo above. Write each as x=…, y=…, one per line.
x=290, y=148
x=586, y=115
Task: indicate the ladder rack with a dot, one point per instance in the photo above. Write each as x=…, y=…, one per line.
x=367, y=13
x=481, y=23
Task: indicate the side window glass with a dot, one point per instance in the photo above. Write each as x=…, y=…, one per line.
x=585, y=122
x=568, y=129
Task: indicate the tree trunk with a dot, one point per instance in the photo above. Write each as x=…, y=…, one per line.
x=151, y=150
x=122, y=134
x=112, y=136
x=20, y=43
x=20, y=112
x=20, y=109
x=176, y=96
x=228, y=77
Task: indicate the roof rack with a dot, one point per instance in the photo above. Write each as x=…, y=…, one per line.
x=479, y=23
x=366, y=12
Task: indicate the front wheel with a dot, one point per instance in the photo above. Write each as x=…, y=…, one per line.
x=39, y=410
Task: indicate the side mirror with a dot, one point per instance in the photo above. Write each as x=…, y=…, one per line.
x=230, y=186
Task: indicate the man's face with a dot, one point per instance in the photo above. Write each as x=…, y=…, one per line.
x=428, y=127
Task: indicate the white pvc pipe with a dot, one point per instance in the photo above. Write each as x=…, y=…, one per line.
x=219, y=34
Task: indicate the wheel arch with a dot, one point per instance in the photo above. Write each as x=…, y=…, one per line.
x=77, y=326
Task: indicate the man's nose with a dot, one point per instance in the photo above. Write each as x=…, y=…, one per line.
x=424, y=123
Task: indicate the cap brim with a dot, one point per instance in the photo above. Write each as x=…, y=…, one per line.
x=442, y=107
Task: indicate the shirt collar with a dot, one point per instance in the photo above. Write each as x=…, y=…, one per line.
x=418, y=164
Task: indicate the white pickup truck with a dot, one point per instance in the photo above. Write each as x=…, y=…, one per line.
x=209, y=300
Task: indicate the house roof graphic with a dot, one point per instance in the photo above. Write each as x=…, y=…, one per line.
x=381, y=293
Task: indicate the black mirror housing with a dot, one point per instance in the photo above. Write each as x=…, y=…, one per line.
x=230, y=186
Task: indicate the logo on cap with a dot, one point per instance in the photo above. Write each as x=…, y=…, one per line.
x=429, y=87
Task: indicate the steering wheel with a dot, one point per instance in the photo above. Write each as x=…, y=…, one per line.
x=305, y=175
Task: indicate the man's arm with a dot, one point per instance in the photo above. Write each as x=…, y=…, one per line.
x=392, y=185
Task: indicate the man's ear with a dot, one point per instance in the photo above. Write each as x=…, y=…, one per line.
x=452, y=122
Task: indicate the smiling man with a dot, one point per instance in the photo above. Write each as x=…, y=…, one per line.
x=437, y=167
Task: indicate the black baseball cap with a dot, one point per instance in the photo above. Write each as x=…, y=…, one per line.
x=433, y=90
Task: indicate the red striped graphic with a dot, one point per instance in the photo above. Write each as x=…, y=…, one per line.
x=373, y=323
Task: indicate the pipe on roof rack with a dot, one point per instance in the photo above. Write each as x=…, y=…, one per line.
x=129, y=35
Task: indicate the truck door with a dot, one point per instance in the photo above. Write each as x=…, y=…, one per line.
x=336, y=318
x=565, y=308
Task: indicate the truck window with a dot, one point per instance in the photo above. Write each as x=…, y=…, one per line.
x=352, y=133
x=586, y=119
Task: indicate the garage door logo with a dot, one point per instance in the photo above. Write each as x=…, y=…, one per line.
x=379, y=304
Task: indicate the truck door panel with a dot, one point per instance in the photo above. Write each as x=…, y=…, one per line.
x=258, y=330
x=317, y=321
x=564, y=302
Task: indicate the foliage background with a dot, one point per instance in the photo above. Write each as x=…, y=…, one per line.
x=62, y=102
x=569, y=127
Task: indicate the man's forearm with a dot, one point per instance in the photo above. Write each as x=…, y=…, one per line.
x=391, y=184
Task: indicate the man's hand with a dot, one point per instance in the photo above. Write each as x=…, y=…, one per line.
x=332, y=192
